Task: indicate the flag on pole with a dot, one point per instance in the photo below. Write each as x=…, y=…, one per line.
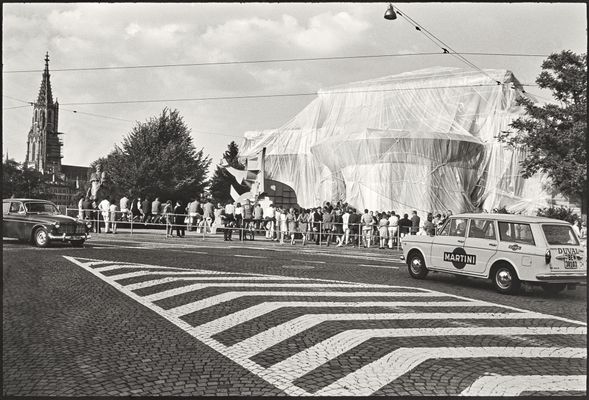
x=234, y=194
x=239, y=175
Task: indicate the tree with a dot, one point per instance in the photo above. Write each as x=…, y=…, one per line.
x=157, y=158
x=20, y=181
x=222, y=180
x=554, y=134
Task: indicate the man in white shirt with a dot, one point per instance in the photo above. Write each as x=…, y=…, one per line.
x=346, y=228
x=124, y=207
x=104, y=208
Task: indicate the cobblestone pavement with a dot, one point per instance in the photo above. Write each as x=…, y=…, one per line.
x=148, y=318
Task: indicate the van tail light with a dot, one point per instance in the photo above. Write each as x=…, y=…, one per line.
x=547, y=256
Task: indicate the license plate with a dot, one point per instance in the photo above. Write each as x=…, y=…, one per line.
x=570, y=264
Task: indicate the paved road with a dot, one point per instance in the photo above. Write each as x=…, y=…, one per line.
x=144, y=315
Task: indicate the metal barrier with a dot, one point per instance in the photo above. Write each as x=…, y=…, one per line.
x=249, y=229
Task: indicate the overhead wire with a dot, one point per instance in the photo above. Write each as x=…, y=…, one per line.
x=216, y=63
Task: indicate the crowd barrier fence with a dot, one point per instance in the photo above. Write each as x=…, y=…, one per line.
x=357, y=234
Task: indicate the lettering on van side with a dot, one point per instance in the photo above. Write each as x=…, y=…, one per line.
x=459, y=258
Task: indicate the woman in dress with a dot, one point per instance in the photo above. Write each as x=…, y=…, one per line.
x=303, y=223
x=291, y=220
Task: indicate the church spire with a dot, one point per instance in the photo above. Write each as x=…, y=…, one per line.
x=45, y=95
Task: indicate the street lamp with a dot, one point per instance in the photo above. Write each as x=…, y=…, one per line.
x=390, y=14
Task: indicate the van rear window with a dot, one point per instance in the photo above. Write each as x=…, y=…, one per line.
x=560, y=234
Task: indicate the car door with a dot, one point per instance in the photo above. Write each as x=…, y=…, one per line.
x=481, y=242
x=13, y=214
x=516, y=241
x=448, y=246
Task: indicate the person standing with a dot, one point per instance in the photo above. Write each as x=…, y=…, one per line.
x=87, y=208
x=104, y=208
x=415, y=220
x=168, y=217
x=136, y=209
x=283, y=225
x=258, y=216
x=428, y=225
x=208, y=215
x=124, y=203
x=247, y=214
x=179, y=219
x=155, y=210
x=338, y=229
x=146, y=211
x=327, y=224
x=345, y=228
x=229, y=222
x=303, y=224
x=366, y=228
x=393, y=229
x=354, y=223
x=383, y=229
x=270, y=221
x=239, y=219
x=405, y=225
x=114, y=217
x=317, y=224
x=291, y=220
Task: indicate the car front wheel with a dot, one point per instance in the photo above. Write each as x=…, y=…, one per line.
x=505, y=280
x=417, y=268
x=40, y=238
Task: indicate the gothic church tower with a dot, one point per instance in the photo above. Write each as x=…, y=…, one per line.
x=43, y=143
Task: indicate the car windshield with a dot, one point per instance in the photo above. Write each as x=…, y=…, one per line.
x=41, y=208
x=560, y=234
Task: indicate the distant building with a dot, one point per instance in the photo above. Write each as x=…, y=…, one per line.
x=44, y=148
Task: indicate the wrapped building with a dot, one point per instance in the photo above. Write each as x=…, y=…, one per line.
x=425, y=140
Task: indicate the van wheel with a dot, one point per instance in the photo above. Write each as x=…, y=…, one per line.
x=553, y=288
x=40, y=238
x=505, y=280
x=416, y=264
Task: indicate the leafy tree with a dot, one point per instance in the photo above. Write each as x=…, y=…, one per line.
x=562, y=213
x=554, y=134
x=157, y=158
x=20, y=181
x=222, y=180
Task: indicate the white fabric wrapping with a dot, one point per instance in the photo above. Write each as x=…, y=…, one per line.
x=423, y=140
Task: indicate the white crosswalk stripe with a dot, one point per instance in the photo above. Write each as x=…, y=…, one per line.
x=515, y=385
x=386, y=369
x=224, y=293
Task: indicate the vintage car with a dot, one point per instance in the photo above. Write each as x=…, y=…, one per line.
x=508, y=249
x=41, y=222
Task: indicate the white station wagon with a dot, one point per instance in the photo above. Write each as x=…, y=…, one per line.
x=508, y=249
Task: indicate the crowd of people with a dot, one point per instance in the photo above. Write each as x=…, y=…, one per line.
x=338, y=224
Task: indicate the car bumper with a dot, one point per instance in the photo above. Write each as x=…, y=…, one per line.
x=580, y=277
x=64, y=237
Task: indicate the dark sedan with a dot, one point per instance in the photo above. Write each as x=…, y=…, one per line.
x=40, y=222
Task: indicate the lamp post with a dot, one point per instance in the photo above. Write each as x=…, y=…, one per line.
x=390, y=14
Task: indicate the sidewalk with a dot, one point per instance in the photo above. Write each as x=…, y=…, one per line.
x=142, y=236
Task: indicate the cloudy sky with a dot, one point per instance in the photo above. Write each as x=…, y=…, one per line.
x=92, y=35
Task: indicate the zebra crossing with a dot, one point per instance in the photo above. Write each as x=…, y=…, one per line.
x=319, y=337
